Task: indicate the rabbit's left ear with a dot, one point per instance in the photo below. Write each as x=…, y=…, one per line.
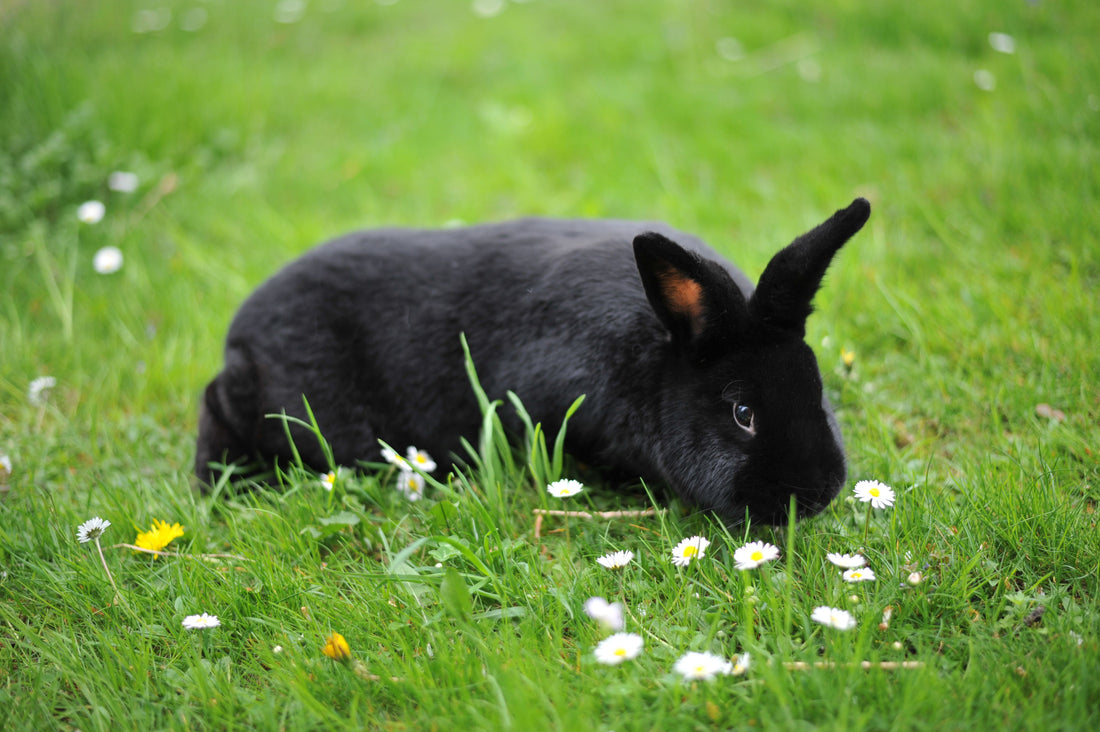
x=785, y=293
x=693, y=297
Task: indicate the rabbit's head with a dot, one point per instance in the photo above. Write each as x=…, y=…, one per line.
x=744, y=425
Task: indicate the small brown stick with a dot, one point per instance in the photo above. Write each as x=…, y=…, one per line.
x=881, y=665
x=541, y=513
x=207, y=557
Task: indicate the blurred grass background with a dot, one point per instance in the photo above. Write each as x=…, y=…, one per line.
x=258, y=129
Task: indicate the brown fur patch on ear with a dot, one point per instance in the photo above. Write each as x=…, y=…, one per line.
x=684, y=297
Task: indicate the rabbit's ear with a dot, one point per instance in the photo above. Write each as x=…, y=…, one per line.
x=787, y=287
x=693, y=298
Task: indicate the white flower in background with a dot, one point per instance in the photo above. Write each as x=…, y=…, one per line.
x=915, y=578
x=328, y=480
x=391, y=457
x=696, y=666
x=833, y=617
x=618, y=648
x=199, y=622
x=411, y=484
x=289, y=11
x=859, y=575
x=608, y=614
x=107, y=260
x=488, y=8
x=755, y=553
x=689, y=549
x=38, y=391
x=879, y=495
x=5, y=467
x=123, y=181
x=615, y=560
x=739, y=665
x=846, y=561
x=91, y=529
x=1002, y=43
x=985, y=80
x=91, y=212
x=565, y=488
x=419, y=459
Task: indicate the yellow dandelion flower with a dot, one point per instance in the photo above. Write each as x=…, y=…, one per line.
x=160, y=536
x=336, y=648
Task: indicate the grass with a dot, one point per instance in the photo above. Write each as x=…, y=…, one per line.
x=968, y=301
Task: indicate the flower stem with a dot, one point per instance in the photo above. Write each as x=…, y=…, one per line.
x=118, y=595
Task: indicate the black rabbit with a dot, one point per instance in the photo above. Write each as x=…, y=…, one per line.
x=693, y=379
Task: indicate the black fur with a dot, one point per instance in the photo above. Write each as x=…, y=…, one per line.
x=664, y=339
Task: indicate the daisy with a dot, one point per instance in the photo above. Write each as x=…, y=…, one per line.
x=846, y=561
x=199, y=622
x=618, y=648
x=107, y=260
x=420, y=459
x=336, y=648
x=701, y=666
x=879, y=495
x=739, y=665
x=859, y=575
x=328, y=480
x=39, y=389
x=755, y=553
x=160, y=536
x=91, y=529
x=834, y=618
x=91, y=212
x=5, y=467
x=391, y=457
x=691, y=548
x=122, y=181
x=615, y=560
x=565, y=488
x=608, y=614
x=410, y=484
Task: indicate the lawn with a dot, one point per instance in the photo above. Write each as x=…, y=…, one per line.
x=956, y=335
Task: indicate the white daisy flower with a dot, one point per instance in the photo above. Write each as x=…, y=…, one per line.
x=755, y=553
x=411, y=484
x=915, y=578
x=859, y=575
x=91, y=529
x=198, y=622
x=122, y=181
x=5, y=467
x=846, y=561
x=694, y=547
x=420, y=459
x=879, y=495
x=608, y=614
x=91, y=212
x=107, y=260
x=38, y=390
x=615, y=560
x=565, y=488
x=328, y=480
x=391, y=457
x=834, y=618
x=739, y=665
x=618, y=648
x=1002, y=43
x=697, y=666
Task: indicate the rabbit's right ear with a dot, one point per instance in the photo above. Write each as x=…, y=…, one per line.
x=694, y=298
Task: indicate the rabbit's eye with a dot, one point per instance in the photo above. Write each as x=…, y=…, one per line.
x=745, y=418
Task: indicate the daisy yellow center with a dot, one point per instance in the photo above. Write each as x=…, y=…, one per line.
x=757, y=555
x=620, y=651
x=691, y=550
x=874, y=492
